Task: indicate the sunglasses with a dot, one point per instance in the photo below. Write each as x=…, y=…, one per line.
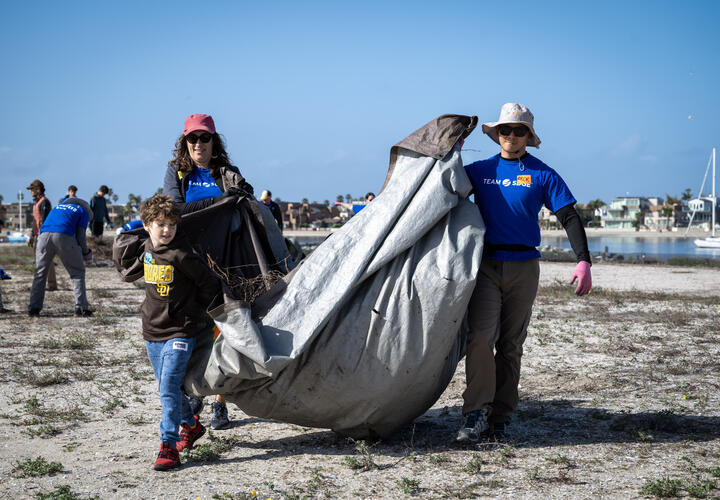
x=520, y=131
x=193, y=138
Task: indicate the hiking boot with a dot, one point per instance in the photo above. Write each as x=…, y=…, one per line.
x=4, y=311
x=497, y=431
x=195, y=404
x=475, y=424
x=188, y=435
x=219, y=416
x=33, y=312
x=168, y=458
x=84, y=313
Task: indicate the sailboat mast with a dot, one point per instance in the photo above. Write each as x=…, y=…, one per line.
x=714, y=202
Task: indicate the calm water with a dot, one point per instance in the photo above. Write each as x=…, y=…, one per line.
x=651, y=246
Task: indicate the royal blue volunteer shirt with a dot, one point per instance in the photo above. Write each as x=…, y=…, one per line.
x=510, y=194
x=65, y=219
x=201, y=186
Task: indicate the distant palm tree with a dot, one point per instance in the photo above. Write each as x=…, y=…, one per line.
x=304, y=200
x=326, y=202
x=348, y=198
x=339, y=198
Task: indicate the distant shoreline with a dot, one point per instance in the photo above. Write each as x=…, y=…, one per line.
x=591, y=233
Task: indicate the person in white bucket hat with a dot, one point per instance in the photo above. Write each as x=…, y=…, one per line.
x=510, y=188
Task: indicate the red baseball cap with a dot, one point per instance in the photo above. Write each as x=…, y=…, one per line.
x=199, y=122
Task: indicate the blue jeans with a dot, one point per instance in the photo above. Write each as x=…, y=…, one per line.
x=169, y=359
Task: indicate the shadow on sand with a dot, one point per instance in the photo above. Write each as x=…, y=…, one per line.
x=537, y=423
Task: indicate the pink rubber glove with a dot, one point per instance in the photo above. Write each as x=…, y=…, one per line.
x=337, y=203
x=582, y=274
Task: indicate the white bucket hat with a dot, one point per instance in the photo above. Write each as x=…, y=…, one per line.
x=513, y=112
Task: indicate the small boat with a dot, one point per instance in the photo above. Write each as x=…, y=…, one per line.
x=17, y=237
x=710, y=241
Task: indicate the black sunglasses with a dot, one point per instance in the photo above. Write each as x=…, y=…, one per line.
x=520, y=131
x=204, y=138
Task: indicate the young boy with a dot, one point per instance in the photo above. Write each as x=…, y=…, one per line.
x=178, y=287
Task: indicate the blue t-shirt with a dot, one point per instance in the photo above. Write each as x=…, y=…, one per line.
x=65, y=219
x=510, y=194
x=201, y=186
x=357, y=208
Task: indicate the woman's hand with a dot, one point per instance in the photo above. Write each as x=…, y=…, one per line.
x=582, y=275
x=246, y=187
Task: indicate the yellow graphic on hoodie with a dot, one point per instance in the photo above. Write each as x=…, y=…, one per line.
x=159, y=274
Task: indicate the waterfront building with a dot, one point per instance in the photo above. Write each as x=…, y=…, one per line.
x=10, y=213
x=627, y=212
x=310, y=215
x=699, y=211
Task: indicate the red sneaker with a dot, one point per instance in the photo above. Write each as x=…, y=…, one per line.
x=168, y=458
x=188, y=435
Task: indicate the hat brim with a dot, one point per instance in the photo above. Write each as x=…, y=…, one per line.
x=490, y=128
x=200, y=127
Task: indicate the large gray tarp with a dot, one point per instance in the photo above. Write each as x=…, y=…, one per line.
x=366, y=333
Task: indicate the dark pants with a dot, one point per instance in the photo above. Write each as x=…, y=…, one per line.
x=97, y=228
x=498, y=316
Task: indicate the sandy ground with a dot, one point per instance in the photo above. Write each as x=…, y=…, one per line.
x=619, y=396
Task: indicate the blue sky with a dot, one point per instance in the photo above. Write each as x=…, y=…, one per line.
x=311, y=96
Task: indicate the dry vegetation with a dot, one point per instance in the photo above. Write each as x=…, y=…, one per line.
x=619, y=398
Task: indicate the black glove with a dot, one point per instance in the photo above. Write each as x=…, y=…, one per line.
x=230, y=192
x=245, y=186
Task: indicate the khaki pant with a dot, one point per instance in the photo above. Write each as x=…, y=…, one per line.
x=498, y=316
x=51, y=278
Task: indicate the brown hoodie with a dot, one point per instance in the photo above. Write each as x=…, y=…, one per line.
x=178, y=288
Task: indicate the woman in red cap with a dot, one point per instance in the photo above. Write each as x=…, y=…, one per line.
x=199, y=175
x=200, y=172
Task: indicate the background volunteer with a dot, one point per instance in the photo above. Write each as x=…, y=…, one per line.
x=63, y=233
x=41, y=210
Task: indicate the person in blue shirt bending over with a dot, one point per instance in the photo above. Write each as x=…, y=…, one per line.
x=510, y=188
x=63, y=233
